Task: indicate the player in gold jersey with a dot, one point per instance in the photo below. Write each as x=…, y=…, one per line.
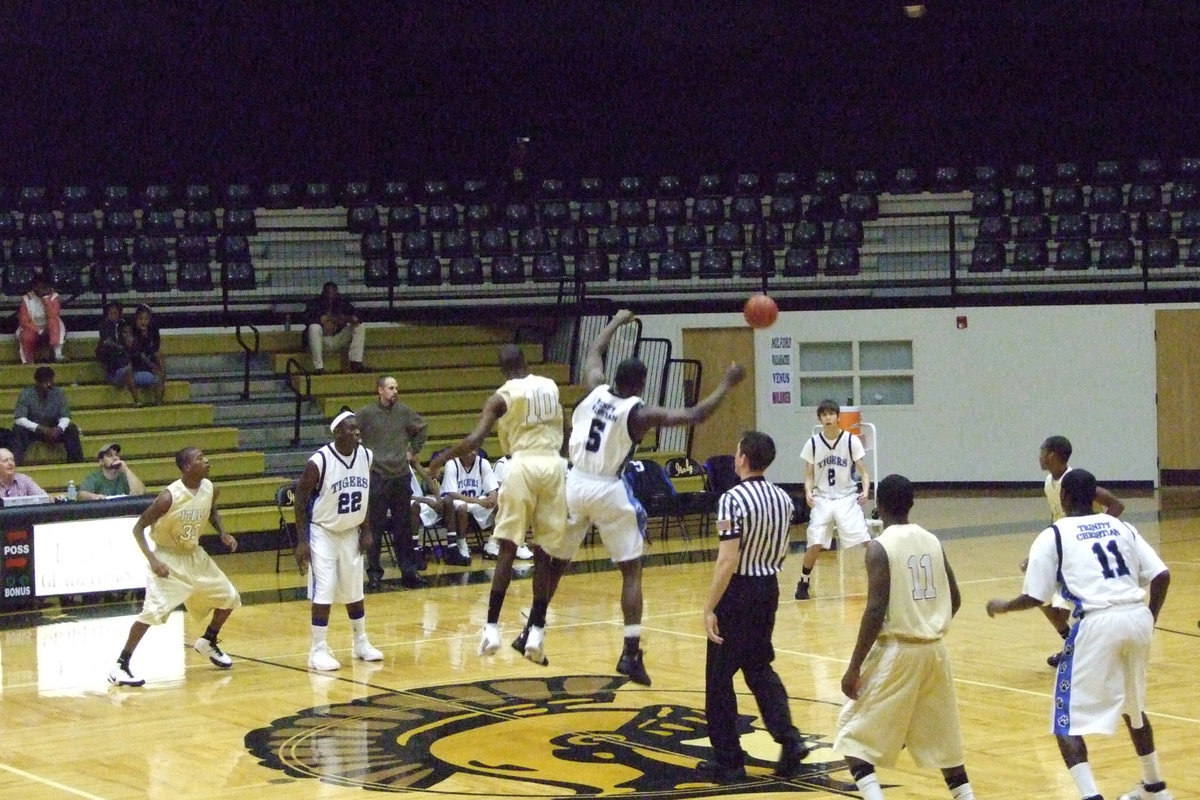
x=529, y=416
x=179, y=569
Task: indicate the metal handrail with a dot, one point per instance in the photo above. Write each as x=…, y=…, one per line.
x=300, y=398
x=247, y=352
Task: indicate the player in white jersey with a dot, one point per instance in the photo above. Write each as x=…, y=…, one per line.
x=605, y=428
x=1103, y=567
x=470, y=489
x=1053, y=456
x=179, y=569
x=527, y=411
x=899, y=681
x=333, y=532
x=831, y=490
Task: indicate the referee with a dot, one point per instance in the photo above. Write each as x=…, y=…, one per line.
x=753, y=519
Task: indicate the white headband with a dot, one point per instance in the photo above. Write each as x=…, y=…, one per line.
x=339, y=419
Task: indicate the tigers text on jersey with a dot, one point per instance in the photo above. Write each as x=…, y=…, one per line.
x=533, y=417
x=1103, y=562
x=919, y=603
x=833, y=463
x=340, y=499
x=181, y=526
x=600, y=441
x=478, y=481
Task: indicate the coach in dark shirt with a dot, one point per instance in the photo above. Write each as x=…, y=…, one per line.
x=42, y=413
x=753, y=520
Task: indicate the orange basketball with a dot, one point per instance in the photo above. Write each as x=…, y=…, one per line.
x=760, y=311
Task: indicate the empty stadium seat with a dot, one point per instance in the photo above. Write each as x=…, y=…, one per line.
x=842, y=260
x=1030, y=256
x=689, y=237
x=198, y=195
x=715, y=263
x=159, y=222
x=118, y=222
x=1073, y=254
x=79, y=223
x=150, y=278
x=75, y=198
x=416, y=244
x=592, y=267
x=1073, y=226
x=612, y=239
x=1036, y=227
x=650, y=238
x=1155, y=225
x=360, y=219
x=200, y=220
x=633, y=265
x=633, y=211
x=518, y=215
x=1027, y=201
x=1145, y=197
x=674, y=265
x=508, y=269
x=1161, y=254
x=800, y=261
x=784, y=208
x=441, y=216
x=670, y=211
x=574, y=240
x=280, y=196
x=456, y=244
x=994, y=229
x=533, y=240
x=1066, y=200
x=495, y=242
x=708, y=210
x=318, y=194
x=1116, y=254
x=158, y=197
x=1106, y=199
x=549, y=267
x=846, y=232
x=194, y=276
x=861, y=206
x=746, y=209
x=1113, y=226
x=757, y=262
x=987, y=201
x=466, y=270
x=987, y=256
x=729, y=235
x=808, y=233
x=424, y=271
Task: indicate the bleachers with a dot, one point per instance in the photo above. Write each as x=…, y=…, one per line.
x=463, y=242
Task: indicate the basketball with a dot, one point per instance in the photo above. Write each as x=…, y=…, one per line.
x=760, y=311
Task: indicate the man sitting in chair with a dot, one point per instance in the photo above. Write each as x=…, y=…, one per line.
x=427, y=509
x=43, y=414
x=470, y=489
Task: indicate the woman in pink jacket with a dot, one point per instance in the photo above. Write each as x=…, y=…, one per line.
x=39, y=322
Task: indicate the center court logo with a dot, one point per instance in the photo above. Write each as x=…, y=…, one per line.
x=564, y=736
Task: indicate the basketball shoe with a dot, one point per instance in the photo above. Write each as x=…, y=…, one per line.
x=321, y=658
x=1140, y=792
x=535, y=645
x=121, y=676
x=208, y=647
x=363, y=651
x=630, y=665
x=489, y=641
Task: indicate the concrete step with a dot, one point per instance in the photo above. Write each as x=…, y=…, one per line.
x=215, y=364
x=434, y=402
x=154, y=472
x=412, y=381
x=228, y=387
x=97, y=421
x=100, y=395
x=235, y=411
x=381, y=359
x=279, y=434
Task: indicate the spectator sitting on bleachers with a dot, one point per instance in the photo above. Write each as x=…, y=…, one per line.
x=43, y=413
x=145, y=355
x=115, y=352
x=113, y=479
x=39, y=324
x=331, y=323
x=13, y=483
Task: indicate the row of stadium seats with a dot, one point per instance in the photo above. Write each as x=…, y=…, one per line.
x=1079, y=254
x=826, y=182
x=46, y=225
x=1111, y=225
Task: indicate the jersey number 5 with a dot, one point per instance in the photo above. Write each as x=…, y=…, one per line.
x=594, y=434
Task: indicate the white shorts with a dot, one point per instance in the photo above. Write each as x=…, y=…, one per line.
x=483, y=516
x=429, y=515
x=335, y=568
x=195, y=581
x=846, y=513
x=1102, y=674
x=609, y=504
x=906, y=699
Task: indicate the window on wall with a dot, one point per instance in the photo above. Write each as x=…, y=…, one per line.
x=866, y=373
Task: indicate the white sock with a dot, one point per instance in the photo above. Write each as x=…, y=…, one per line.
x=319, y=634
x=463, y=547
x=1084, y=780
x=632, y=631
x=868, y=786
x=1151, y=772
x=963, y=792
x=359, y=627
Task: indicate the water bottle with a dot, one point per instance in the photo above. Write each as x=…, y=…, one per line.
x=72, y=492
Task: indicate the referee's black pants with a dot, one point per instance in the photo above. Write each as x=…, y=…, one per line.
x=390, y=494
x=746, y=620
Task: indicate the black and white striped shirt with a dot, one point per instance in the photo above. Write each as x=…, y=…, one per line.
x=759, y=513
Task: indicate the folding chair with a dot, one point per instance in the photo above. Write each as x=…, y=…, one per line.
x=650, y=485
x=285, y=502
x=690, y=480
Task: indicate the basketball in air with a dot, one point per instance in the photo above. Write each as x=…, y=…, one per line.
x=760, y=311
